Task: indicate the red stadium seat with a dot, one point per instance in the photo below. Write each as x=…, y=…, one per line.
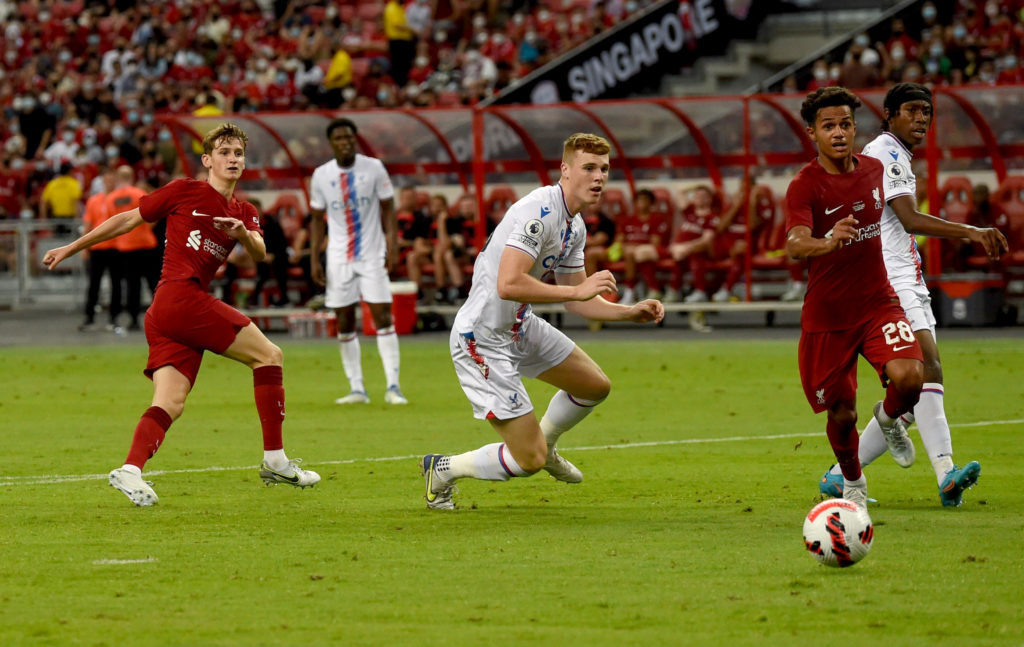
x=663, y=202
x=1009, y=197
x=614, y=204
x=500, y=199
x=957, y=199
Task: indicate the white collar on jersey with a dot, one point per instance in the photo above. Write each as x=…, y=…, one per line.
x=899, y=143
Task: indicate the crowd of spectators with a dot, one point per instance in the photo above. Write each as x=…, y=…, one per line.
x=967, y=42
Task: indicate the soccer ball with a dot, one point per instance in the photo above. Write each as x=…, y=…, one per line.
x=838, y=533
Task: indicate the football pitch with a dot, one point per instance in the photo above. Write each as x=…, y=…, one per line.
x=686, y=530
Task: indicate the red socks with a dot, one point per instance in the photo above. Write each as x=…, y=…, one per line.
x=268, y=387
x=844, y=446
x=149, y=433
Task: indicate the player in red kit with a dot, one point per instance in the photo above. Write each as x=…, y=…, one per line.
x=835, y=205
x=204, y=221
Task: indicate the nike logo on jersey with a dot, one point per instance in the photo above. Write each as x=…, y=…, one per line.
x=899, y=348
x=833, y=210
x=201, y=215
x=895, y=155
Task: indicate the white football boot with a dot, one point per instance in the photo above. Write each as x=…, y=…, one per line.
x=136, y=489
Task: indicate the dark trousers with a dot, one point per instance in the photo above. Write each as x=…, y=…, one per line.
x=137, y=265
x=101, y=261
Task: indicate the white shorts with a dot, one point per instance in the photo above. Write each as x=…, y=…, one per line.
x=917, y=304
x=492, y=375
x=347, y=282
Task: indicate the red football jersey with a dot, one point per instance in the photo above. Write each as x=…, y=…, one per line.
x=195, y=248
x=846, y=286
x=641, y=232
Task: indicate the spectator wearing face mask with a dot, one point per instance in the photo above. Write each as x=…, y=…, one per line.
x=1009, y=70
x=64, y=149
x=935, y=62
x=819, y=75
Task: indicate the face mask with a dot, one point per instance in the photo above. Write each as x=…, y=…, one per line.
x=68, y=137
x=1009, y=62
x=518, y=19
x=17, y=164
x=64, y=56
x=959, y=32
x=88, y=140
x=250, y=75
x=531, y=37
x=236, y=33
x=833, y=72
x=261, y=64
x=224, y=78
x=422, y=61
x=440, y=37
x=382, y=96
x=543, y=15
x=133, y=117
x=28, y=104
x=117, y=132
x=295, y=32
x=348, y=94
x=861, y=40
x=935, y=50
x=898, y=54
x=332, y=12
x=147, y=118
x=479, y=22
x=282, y=79
x=928, y=13
x=481, y=38
x=165, y=135
x=112, y=151
x=912, y=74
x=820, y=73
x=991, y=10
x=93, y=39
x=932, y=67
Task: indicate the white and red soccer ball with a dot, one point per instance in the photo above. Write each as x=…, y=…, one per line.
x=838, y=532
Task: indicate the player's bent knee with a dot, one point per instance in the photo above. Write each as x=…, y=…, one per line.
x=845, y=417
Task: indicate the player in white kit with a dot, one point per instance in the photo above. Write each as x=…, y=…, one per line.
x=496, y=340
x=908, y=115
x=355, y=193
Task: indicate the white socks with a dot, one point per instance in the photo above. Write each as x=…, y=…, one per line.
x=931, y=424
x=275, y=458
x=348, y=344
x=564, y=412
x=492, y=462
x=387, y=345
x=930, y=415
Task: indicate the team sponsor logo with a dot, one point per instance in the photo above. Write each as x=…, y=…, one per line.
x=194, y=239
x=895, y=155
x=872, y=230
x=211, y=247
x=858, y=206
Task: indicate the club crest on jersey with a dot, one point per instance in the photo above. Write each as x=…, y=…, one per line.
x=821, y=396
x=878, y=200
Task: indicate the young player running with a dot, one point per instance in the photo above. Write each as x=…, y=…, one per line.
x=908, y=115
x=496, y=340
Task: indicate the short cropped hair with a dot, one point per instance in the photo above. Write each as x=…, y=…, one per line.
x=224, y=131
x=646, y=193
x=586, y=143
x=341, y=122
x=829, y=97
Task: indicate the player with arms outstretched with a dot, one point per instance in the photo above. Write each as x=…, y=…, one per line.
x=496, y=340
x=908, y=115
x=835, y=205
x=204, y=221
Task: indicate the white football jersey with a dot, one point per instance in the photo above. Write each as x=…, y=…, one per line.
x=539, y=225
x=899, y=248
x=351, y=197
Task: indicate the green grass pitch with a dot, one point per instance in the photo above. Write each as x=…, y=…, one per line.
x=699, y=469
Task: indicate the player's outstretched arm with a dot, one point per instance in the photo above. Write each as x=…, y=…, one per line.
x=800, y=244
x=113, y=227
x=915, y=222
x=598, y=308
x=515, y=283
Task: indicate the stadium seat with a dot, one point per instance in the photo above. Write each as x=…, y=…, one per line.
x=957, y=199
x=663, y=202
x=615, y=204
x=500, y=198
x=1009, y=197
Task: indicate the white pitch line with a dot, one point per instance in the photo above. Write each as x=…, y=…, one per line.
x=44, y=479
x=118, y=562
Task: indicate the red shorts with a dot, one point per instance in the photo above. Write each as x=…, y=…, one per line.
x=724, y=242
x=184, y=321
x=828, y=360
